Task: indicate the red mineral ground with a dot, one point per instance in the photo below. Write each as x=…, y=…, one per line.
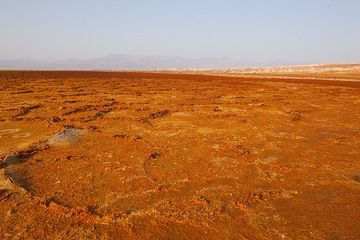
x=232, y=154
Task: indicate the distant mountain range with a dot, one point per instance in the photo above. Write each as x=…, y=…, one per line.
x=122, y=62
x=139, y=62
x=135, y=62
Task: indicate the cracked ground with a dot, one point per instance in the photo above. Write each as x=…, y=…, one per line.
x=136, y=155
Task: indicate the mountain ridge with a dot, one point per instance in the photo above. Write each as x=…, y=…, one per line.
x=120, y=61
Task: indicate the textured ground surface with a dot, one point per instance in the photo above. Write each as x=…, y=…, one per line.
x=339, y=72
x=96, y=155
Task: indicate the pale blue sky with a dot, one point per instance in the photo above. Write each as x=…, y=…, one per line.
x=299, y=31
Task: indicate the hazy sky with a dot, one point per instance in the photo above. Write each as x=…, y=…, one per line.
x=300, y=31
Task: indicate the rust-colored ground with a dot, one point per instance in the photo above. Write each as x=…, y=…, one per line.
x=121, y=155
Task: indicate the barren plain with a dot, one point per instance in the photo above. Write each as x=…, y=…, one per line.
x=146, y=155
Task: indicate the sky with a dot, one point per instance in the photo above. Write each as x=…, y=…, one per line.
x=293, y=31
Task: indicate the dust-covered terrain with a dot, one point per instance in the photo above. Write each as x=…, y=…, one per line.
x=137, y=155
x=338, y=72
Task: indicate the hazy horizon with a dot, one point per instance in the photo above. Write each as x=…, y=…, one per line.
x=261, y=32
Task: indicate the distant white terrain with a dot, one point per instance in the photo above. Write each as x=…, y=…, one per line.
x=169, y=63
